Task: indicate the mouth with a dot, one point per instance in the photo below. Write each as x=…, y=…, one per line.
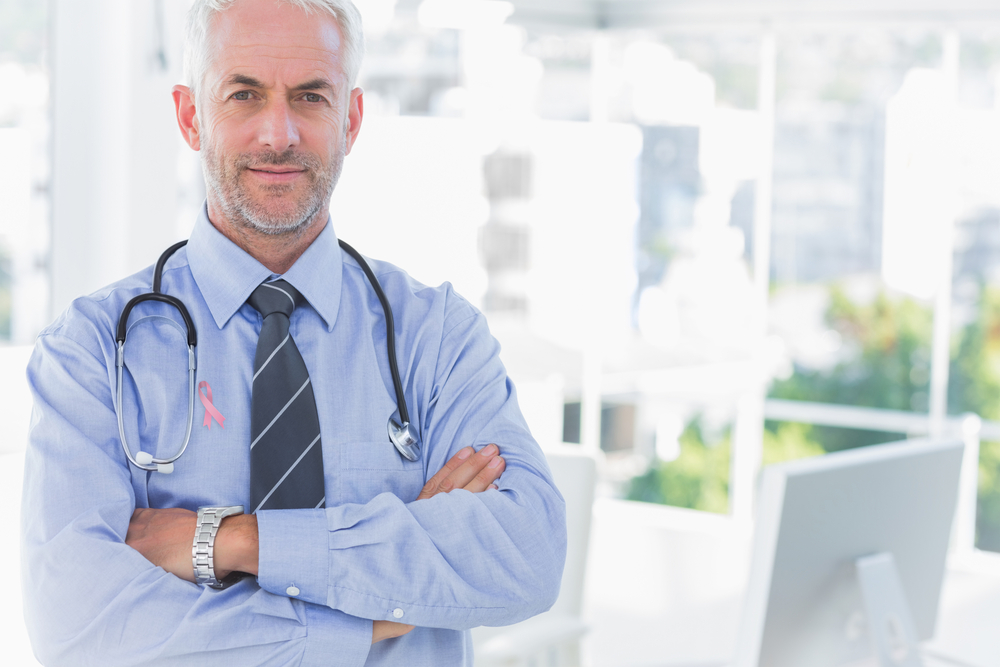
x=276, y=170
x=277, y=174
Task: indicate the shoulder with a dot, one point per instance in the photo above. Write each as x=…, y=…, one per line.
x=412, y=301
x=90, y=321
x=441, y=337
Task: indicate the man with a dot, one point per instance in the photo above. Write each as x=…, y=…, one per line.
x=461, y=537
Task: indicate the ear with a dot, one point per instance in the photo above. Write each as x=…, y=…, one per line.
x=355, y=112
x=187, y=116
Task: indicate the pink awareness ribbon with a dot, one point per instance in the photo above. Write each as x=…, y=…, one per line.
x=210, y=410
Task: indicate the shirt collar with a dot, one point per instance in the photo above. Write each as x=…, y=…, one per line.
x=227, y=275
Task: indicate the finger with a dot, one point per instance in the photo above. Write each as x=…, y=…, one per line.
x=433, y=484
x=484, y=478
x=466, y=472
x=400, y=629
x=388, y=630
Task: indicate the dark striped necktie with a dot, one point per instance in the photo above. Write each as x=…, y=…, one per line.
x=286, y=456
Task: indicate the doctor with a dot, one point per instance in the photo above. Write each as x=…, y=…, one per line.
x=397, y=559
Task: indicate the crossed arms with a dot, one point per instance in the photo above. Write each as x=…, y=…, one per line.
x=163, y=536
x=450, y=560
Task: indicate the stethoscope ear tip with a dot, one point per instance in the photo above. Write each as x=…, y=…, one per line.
x=404, y=438
x=145, y=461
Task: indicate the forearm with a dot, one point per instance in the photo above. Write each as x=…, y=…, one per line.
x=164, y=538
x=455, y=561
x=95, y=601
x=237, y=546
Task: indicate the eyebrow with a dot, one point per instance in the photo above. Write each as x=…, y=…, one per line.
x=244, y=80
x=313, y=84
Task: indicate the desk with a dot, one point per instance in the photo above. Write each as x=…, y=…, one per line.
x=665, y=589
x=968, y=628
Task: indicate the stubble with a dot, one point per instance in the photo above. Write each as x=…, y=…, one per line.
x=275, y=209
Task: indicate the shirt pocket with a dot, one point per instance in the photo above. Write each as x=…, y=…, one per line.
x=372, y=467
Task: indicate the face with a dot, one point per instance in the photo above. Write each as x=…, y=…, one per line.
x=273, y=117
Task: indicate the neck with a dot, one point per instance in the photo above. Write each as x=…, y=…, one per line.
x=278, y=252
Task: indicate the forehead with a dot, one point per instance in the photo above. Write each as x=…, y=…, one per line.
x=270, y=39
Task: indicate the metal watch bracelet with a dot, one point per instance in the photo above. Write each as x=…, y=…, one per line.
x=203, y=549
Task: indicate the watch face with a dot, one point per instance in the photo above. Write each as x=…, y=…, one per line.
x=218, y=509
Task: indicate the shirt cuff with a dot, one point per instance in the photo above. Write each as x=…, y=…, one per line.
x=294, y=554
x=335, y=638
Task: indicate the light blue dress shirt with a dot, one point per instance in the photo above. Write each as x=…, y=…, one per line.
x=444, y=564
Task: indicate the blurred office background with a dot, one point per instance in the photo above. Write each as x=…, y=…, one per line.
x=710, y=236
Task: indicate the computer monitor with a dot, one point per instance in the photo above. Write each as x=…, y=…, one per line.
x=816, y=517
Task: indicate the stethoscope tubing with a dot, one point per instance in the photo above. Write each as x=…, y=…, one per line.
x=402, y=435
x=390, y=330
x=154, y=464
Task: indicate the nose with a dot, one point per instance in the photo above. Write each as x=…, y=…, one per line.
x=278, y=130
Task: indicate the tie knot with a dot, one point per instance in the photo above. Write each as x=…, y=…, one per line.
x=275, y=297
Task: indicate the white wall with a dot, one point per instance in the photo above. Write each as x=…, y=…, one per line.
x=115, y=140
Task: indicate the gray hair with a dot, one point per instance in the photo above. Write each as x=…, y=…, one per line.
x=200, y=16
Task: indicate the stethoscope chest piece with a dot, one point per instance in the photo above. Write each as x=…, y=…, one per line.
x=404, y=438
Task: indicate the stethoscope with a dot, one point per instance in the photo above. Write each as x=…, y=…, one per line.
x=402, y=434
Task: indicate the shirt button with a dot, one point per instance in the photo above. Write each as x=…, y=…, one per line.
x=397, y=612
x=292, y=591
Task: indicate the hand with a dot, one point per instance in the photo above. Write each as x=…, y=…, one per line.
x=467, y=470
x=387, y=630
x=164, y=538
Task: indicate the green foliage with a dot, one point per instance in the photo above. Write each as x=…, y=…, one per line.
x=787, y=441
x=988, y=507
x=885, y=365
x=974, y=384
x=698, y=478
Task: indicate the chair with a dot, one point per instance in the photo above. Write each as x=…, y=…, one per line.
x=552, y=639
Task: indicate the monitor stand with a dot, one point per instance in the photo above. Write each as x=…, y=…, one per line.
x=890, y=622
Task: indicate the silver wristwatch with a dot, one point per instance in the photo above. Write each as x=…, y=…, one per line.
x=203, y=549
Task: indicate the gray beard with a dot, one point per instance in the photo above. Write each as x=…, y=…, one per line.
x=237, y=203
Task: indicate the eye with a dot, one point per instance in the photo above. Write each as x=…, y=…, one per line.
x=242, y=96
x=313, y=98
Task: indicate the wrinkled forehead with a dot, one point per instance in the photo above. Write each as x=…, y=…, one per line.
x=268, y=35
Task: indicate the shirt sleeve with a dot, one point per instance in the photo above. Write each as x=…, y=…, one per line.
x=456, y=560
x=89, y=599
